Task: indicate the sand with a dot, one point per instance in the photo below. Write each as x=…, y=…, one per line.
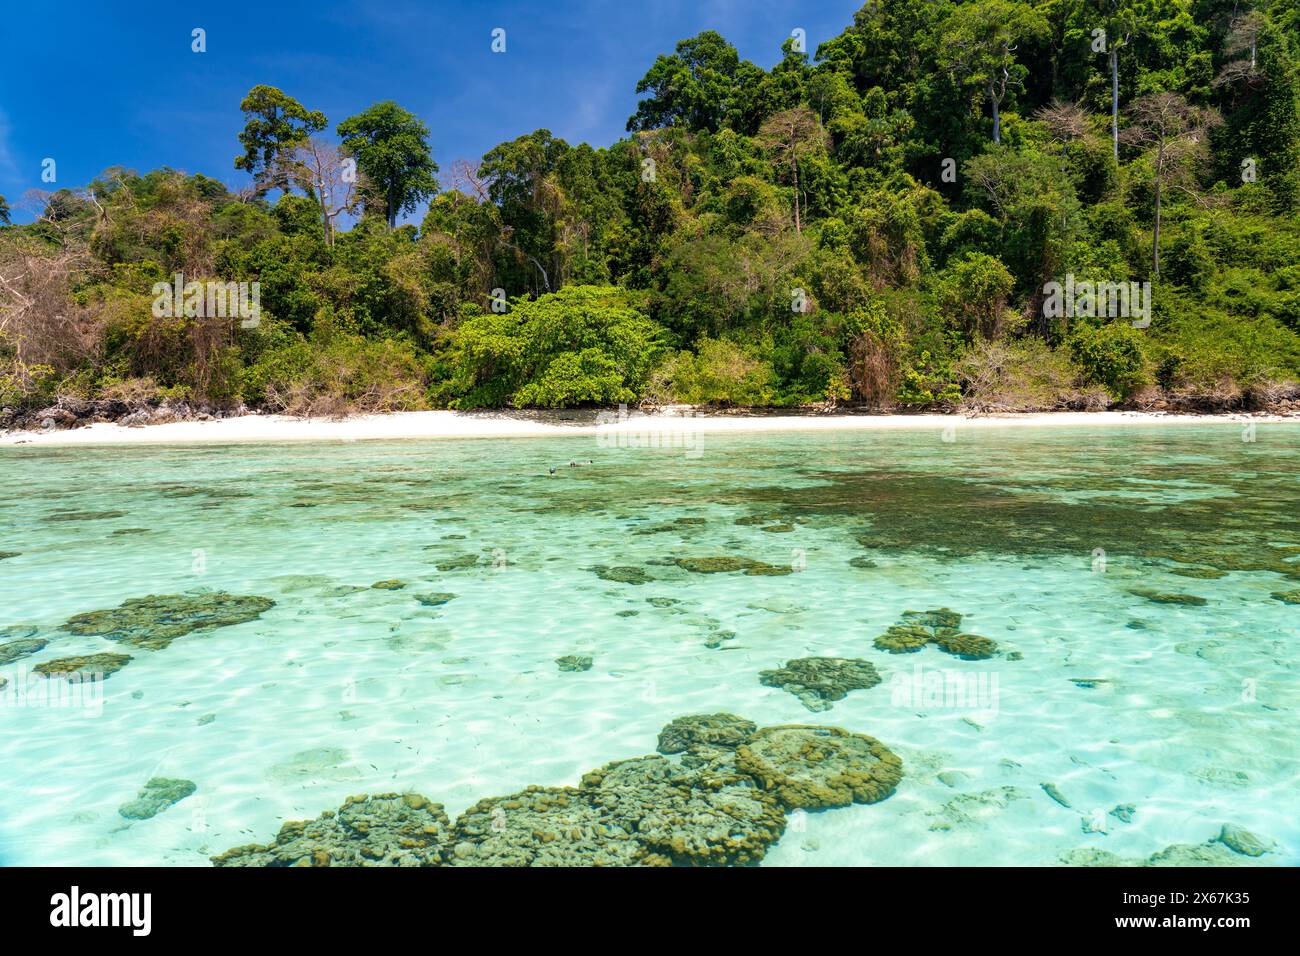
x=676, y=426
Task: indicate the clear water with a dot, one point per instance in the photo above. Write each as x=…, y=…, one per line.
x=1187, y=713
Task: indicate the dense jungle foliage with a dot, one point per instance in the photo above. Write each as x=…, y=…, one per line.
x=877, y=221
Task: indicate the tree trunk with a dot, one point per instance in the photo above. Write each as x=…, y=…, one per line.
x=1114, y=100
x=997, y=117
x=794, y=165
x=1155, y=233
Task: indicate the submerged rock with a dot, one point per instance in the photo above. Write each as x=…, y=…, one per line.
x=83, y=515
x=457, y=563
x=726, y=731
x=17, y=650
x=574, y=662
x=819, y=767
x=435, y=600
x=818, y=681
x=88, y=667
x=1287, y=597
x=9, y=554
x=694, y=816
x=391, y=585
x=937, y=620
x=623, y=575
x=1240, y=840
x=158, y=794
x=1207, y=574
x=155, y=621
x=680, y=525
x=904, y=639
x=969, y=647
x=1161, y=597
x=940, y=627
x=714, y=805
x=384, y=830
x=543, y=826
x=1051, y=790
x=728, y=564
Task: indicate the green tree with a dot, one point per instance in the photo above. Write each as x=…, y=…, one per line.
x=274, y=125
x=791, y=135
x=1173, y=131
x=391, y=147
x=978, y=44
x=698, y=87
x=4, y=212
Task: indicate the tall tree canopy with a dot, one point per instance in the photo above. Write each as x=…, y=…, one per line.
x=391, y=146
x=274, y=123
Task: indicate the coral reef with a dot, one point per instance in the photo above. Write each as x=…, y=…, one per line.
x=543, y=826
x=815, y=768
x=818, y=681
x=158, y=794
x=1240, y=840
x=904, y=639
x=679, y=525
x=687, y=815
x=1233, y=846
x=383, y=830
x=155, y=621
x=727, y=564
x=390, y=585
x=574, y=662
x=1287, y=597
x=89, y=666
x=940, y=627
x=726, y=731
x=722, y=802
x=435, y=600
x=17, y=650
x=83, y=515
x=623, y=575
x=969, y=647
x=1161, y=597
x=1205, y=574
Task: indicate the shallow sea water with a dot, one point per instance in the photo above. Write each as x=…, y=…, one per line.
x=1039, y=537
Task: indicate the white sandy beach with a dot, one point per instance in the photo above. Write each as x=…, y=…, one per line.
x=646, y=429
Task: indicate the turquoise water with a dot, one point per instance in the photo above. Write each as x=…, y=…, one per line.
x=1050, y=542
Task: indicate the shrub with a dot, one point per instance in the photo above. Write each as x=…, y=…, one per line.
x=581, y=345
x=1112, y=356
x=335, y=373
x=1024, y=375
x=974, y=293
x=718, y=373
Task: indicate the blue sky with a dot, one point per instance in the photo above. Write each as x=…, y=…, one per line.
x=92, y=88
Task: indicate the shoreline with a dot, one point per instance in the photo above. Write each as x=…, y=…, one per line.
x=665, y=427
